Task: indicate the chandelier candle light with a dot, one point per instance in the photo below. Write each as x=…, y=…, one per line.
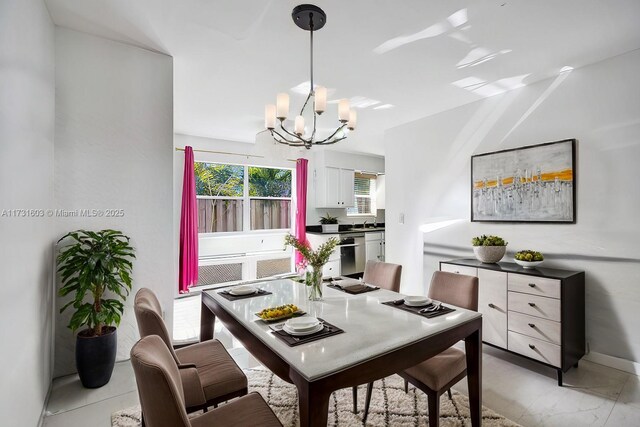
x=310, y=18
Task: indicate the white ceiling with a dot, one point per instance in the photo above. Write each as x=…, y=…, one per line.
x=231, y=57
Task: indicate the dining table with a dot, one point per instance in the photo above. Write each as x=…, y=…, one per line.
x=378, y=340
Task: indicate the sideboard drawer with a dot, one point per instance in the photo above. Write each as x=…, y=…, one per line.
x=534, y=285
x=547, y=308
x=543, y=329
x=492, y=304
x=459, y=269
x=535, y=349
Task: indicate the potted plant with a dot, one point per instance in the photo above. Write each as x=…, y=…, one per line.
x=489, y=249
x=329, y=223
x=93, y=264
x=316, y=259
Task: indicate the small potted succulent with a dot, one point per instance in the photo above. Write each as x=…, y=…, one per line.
x=329, y=223
x=528, y=258
x=95, y=269
x=489, y=249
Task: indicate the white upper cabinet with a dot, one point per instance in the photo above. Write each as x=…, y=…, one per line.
x=334, y=187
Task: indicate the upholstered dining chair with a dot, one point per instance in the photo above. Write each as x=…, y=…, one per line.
x=209, y=374
x=162, y=397
x=438, y=374
x=386, y=276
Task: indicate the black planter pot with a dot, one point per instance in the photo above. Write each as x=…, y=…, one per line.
x=95, y=357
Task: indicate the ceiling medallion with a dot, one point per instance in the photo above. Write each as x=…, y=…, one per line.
x=310, y=18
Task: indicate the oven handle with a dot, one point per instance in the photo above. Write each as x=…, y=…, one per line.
x=351, y=245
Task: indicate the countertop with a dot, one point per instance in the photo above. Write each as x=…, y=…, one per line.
x=346, y=229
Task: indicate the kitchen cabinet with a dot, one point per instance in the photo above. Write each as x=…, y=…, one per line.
x=334, y=187
x=536, y=313
x=374, y=246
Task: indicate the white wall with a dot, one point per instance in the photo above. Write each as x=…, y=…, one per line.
x=428, y=175
x=26, y=182
x=114, y=148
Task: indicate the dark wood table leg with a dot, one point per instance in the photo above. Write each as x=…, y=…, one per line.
x=473, y=347
x=313, y=403
x=207, y=322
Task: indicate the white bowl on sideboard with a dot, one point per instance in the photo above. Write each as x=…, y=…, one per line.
x=528, y=264
x=330, y=228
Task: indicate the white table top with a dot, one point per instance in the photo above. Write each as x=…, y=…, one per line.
x=370, y=328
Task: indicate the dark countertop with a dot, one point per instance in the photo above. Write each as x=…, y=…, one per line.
x=512, y=267
x=346, y=229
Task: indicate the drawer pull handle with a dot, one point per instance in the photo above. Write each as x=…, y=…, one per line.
x=532, y=304
x=457, y=272
x=532, y=347
x=532, y=325
x=491, y=305
x=532, y=285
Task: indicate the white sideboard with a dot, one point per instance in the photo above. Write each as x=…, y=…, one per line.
x=537, y=313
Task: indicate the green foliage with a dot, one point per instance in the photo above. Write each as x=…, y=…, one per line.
x=529, y=255
x=93, y=263
x=214, y=179
x=317, y=258
x=328, y=219
x=269, y=182
x=488, y=241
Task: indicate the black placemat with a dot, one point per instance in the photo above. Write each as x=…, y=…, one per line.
x=231, y=297
x=354, y=289
x=291, y=341
x=416, y=310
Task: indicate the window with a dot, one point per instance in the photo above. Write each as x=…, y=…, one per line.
x=242, y=198
x=365, y=195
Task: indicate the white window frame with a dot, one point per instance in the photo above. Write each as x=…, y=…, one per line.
x=371, y=196
x=246, y=206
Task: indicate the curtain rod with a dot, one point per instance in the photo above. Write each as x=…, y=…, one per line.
x=230, y=154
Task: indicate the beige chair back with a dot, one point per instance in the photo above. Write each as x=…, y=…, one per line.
x=456, y=289
x=159, y=384
x=383, y=274
x=149, y=318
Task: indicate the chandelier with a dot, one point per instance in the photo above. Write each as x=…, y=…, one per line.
x=310, y=18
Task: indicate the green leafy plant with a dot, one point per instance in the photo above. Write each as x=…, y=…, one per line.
x=529, y=255
x=488, y=241
x=317, y=258
x=95, y=262
x=328, y=219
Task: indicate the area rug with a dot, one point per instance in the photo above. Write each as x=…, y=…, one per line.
x=390, y=405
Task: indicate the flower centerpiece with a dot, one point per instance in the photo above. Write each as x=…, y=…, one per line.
x=316, y=260
x=489, y=249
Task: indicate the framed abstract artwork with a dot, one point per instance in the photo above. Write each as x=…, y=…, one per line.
x=536, y=183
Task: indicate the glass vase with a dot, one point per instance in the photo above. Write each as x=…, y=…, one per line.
x=313, y=281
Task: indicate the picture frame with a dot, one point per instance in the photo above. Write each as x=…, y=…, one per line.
x=530, y=184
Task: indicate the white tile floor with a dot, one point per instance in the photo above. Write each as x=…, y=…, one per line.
x=524, y=391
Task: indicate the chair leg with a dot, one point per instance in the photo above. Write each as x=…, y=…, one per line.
x=367, y=401
x=355, y=399
x=449, y=393
x=406, y=386
x=434, y=410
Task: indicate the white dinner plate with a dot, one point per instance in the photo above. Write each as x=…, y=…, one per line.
x=313, y=330
x=243, y=290
x=302, y=324
x=417, y=301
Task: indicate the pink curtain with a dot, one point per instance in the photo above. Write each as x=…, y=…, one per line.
x=188, y=226
x=301, y=203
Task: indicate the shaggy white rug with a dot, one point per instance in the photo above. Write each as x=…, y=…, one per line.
x=390, y=405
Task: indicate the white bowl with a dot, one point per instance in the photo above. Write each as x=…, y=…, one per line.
x=243, y=290
x=528, y=264
x=416, y=301
x=302, y=323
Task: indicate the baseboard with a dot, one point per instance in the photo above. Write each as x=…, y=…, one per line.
x=614, y=362
x=44, y=406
